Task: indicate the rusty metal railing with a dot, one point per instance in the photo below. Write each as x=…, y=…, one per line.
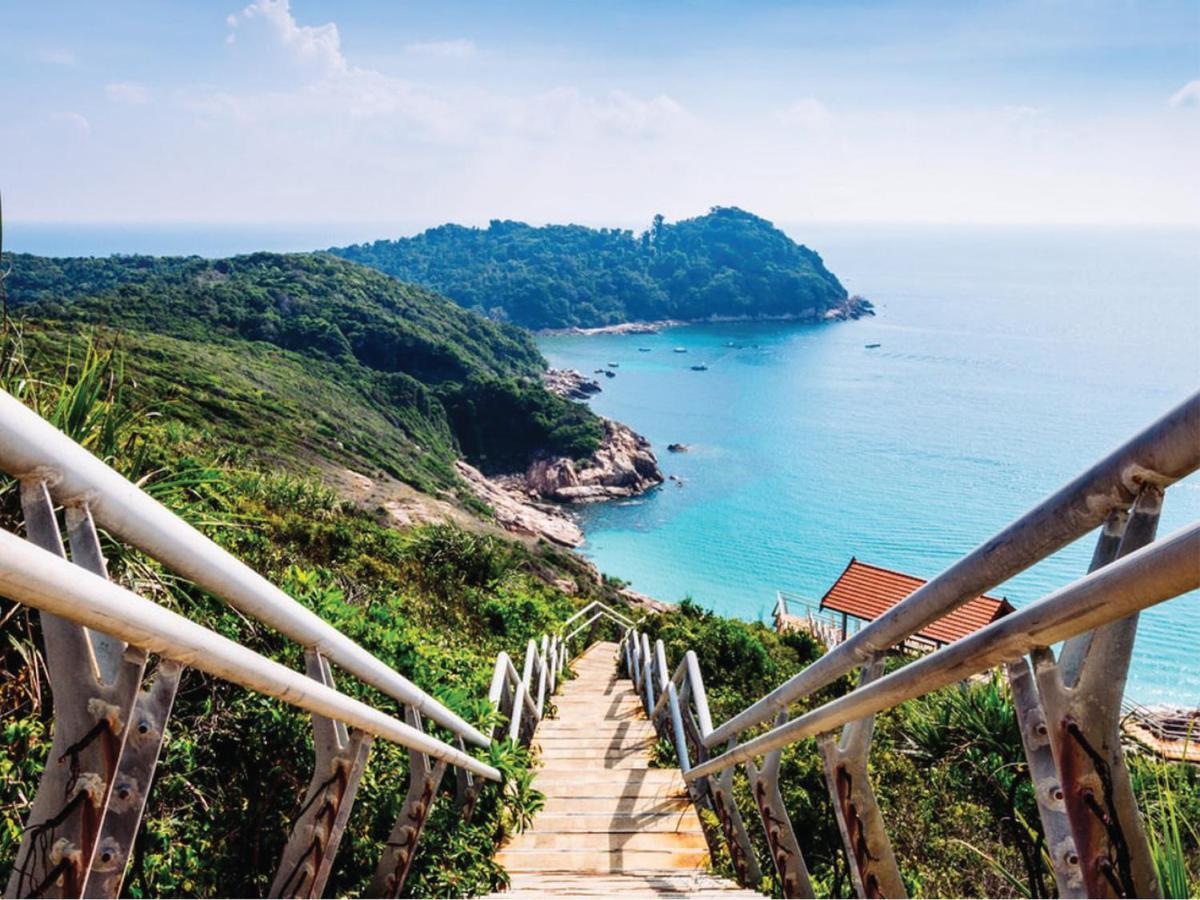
x=1068, y=706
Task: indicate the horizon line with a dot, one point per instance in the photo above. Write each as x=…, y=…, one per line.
x=475, y=223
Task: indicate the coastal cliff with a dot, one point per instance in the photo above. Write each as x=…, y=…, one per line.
x=536, y=502
x=623, y=466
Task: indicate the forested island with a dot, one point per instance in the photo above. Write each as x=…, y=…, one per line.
x=726, y=264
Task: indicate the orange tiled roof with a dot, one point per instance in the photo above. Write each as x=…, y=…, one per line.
x=867, y=592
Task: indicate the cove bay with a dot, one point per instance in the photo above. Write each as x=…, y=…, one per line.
x=1006, y=356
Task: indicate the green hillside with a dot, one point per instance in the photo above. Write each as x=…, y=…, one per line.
x=726, y=263
x=339, y=344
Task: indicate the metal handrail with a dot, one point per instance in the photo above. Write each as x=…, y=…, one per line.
x=1158, y=572
x=32, y=448
x=43, y=580
x=1160, y=455
x=618, y=617
x=98, y=634
x=521, y=696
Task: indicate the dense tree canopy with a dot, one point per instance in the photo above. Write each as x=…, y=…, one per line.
x=408, y=349
x=726, y=263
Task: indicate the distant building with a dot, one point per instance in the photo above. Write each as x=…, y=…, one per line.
x=863, y=592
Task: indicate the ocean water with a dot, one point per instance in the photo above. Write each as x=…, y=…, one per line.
x=1010, y=361
x=186, y=239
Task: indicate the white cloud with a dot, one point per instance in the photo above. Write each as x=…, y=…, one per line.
x=460, y=48
x=1188, y=95
x=76, y=122
x=808, y=114
x=316, y=45
x=58, y=57
x=566, y=113
x=129, y=92
x=341, y=94
x=1019, y=114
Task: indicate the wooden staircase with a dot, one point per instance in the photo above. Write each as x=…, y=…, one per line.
x=611, y=824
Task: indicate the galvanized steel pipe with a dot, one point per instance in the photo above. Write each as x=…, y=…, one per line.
x=30, y=447
x=46, y=581
x=1158, y=572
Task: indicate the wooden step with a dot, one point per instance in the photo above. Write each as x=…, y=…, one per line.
x=613, y=763
x=613, y=789
x=614, y=806
x=599, y=775
x=664, y=884
x=608, y=812
x=623, y=842
x=599, y=751
x=635, y=734
x=679, y=821
x=600, y=860
x=574, y=745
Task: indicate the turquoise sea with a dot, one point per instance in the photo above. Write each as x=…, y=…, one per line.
x=1010, y=360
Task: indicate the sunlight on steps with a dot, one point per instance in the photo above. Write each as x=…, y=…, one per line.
x=611, y=824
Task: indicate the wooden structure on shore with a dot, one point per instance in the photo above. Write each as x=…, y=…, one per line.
x=1171, y=734
x=864, y=592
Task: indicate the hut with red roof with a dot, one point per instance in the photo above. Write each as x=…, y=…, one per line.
x=864, y=592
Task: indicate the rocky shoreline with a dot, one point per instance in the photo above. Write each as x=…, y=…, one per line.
x=570, y=383
x=622, y=466
x=519, y=511
x=854, y=307
x=536, y=502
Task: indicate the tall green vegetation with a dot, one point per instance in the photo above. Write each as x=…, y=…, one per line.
x=726, y=263
x=1169, y=797
x=451, y=382
x=436, y=604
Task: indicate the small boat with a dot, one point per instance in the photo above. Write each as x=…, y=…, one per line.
x=873, y=346
x=643, y=349
x=681, y=349
x=700, y=368
x=614, y=365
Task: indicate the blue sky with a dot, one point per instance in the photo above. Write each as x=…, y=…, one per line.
x=414, y=114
